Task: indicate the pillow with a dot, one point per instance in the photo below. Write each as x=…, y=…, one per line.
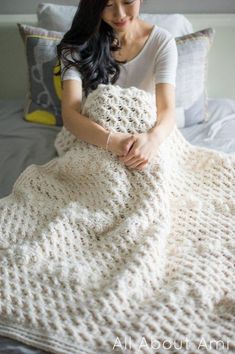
x=55, y=17
x=43, y=103
x=59, y=18
x=191, y=75
x=176, y=24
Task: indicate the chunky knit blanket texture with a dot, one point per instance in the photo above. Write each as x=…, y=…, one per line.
x=99, y=258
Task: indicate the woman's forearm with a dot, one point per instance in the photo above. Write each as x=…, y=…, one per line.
x=164, y=125
x=85, y=128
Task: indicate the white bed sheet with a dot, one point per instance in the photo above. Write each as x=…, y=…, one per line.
x=218, y=132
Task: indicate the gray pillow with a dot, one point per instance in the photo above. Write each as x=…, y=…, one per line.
x=191, y=94
x=59, y=18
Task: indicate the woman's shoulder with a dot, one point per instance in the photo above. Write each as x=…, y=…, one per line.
x=70, y=53
x=157, y=30
x=162, y=34
x=158, y=35
x=162, y=39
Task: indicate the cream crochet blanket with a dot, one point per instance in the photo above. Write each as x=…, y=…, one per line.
x=98, y=258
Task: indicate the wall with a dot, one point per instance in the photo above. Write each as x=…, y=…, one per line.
x=221, y=77
x=150, y=6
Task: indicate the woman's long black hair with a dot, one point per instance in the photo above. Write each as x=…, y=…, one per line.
x=93, y=39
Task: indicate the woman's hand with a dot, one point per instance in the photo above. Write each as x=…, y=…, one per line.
x=120, y=143
x=142, y=151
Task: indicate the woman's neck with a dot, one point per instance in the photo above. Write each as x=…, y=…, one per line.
x=128, y=36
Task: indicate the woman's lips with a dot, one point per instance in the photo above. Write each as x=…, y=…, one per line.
x=120, y=24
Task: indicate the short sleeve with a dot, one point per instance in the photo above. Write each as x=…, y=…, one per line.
x=71, y=73
x=166, y=62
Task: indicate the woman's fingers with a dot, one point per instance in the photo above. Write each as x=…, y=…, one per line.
x=141, y=166
x=138, y=164
x=135, y=163
x=129, y=145
x=132, y=162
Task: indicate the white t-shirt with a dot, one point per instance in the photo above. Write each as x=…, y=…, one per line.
x=155, y=63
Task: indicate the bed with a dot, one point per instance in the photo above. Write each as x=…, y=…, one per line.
x=23, y=143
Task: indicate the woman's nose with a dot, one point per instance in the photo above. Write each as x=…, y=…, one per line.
x=118, y=12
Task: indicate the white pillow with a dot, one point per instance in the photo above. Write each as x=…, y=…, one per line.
x=177, y=24
x=59, y=18
x=55, y=17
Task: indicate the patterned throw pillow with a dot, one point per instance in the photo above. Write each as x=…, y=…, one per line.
x=191, y=94
x=43, y=103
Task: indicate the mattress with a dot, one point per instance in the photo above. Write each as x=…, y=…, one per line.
x=23, y=143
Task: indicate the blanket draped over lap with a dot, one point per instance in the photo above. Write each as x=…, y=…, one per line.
x=99, y=258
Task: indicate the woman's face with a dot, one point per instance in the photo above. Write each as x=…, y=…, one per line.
x=120, y=13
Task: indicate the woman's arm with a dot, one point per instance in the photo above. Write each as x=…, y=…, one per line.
x=85, y=128
x=165, y=101
x=78, y=124
x=147, y=144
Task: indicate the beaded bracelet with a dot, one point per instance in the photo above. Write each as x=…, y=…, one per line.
x=108, y=140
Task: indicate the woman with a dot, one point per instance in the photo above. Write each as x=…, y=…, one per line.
x=109, y=43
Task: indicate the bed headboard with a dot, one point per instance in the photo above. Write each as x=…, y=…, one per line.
x=221, y=75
